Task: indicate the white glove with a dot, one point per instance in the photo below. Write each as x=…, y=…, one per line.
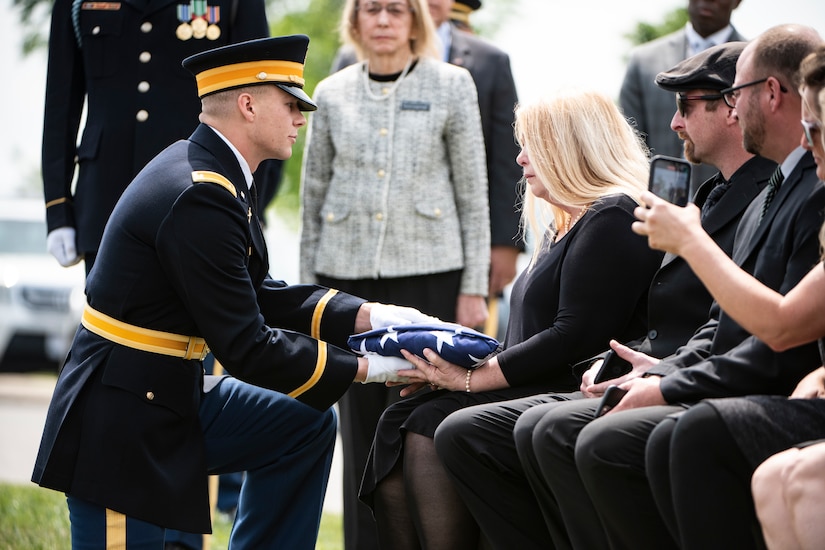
x=386, y=315
x=381, y=368
x=61, y=244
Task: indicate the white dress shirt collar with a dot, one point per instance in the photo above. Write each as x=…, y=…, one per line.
x=247, y=173
x=698, y=43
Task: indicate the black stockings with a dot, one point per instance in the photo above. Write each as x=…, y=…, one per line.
x=416, y=506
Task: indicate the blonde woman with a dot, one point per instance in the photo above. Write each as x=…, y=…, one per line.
x=585, y=169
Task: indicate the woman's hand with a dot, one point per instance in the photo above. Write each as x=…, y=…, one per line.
x=668, y=227
x=434, y=371
x=812, y=386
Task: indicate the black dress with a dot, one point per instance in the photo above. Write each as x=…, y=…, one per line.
x=763, y=425
x=583, y=290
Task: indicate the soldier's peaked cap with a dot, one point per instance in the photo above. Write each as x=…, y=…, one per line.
x=278, y=60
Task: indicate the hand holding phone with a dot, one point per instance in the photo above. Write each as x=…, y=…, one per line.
x=609, y=400
x=670, y=179
x=613, y=366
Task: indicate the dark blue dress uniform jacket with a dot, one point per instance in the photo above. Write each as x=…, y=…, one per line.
x=189, y=258
x=127, y=65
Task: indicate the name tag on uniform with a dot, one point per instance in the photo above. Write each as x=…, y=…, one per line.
x=415, y=106
x=100, y=6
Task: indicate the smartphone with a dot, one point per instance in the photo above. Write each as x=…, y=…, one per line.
x=610, y=399
x=670, y=179
x=612, y=367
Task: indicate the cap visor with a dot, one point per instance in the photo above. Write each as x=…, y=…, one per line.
x=304, y=101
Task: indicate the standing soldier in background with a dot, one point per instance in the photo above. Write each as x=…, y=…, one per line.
x=123, y=59
x=460, y=14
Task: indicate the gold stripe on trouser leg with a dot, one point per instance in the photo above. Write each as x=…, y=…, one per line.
x=214, y=480
x=115, y=530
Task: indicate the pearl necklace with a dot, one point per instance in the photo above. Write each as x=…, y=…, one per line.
x=388, y=91
x=570, y=223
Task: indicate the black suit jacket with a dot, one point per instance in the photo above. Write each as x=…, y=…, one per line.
x=679, y=302
x=722, y=359
x=497, y=98
x=490, y=68
x=126, y=62
x=187, y=258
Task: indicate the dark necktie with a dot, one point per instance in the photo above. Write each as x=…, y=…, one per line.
x=715, y=195
x=773, y=186
x=253, y=193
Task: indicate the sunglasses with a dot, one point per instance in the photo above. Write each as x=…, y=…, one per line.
x=810, y=129
x=682, y=101
x=732, y=94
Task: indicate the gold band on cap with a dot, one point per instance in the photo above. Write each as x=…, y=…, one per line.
x=251, y=72
x=460, y=12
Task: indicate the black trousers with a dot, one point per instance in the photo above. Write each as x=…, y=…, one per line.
x=589, y=474
x=477, y=448
x=362, y=405
x=701, y=481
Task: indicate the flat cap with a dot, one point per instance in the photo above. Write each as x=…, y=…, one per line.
x=711, y=69
x=278, y=60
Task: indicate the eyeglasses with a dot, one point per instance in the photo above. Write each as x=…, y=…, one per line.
x=810, y=129
x=393, y=9
x=682, y=101
x=731, y=95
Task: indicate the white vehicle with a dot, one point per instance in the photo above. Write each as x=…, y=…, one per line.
x=38, y=297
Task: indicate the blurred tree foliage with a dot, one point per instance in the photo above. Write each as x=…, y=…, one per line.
x=34, y=19
x=318, y=19
x=645, y=32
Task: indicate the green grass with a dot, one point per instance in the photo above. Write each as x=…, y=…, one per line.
x=32, y=518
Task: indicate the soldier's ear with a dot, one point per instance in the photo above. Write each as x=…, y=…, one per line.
x=246, y=105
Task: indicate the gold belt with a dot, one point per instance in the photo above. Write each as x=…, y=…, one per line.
x=154, y=341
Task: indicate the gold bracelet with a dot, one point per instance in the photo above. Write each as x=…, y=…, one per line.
x=467, y=380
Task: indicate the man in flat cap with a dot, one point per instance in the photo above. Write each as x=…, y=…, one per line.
x=649, y=106
x=134, y=426
x=484, y=442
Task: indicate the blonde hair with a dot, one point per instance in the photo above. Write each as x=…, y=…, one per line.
x=423, y=45
x=582, y=149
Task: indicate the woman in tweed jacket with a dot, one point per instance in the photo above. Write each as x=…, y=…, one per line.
x=394, y=196
x=394, y=184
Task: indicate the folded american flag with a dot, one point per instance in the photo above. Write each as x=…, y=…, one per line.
x=457, y=344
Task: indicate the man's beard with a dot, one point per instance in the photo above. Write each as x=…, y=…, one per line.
x=690, y=149
x=753, y=137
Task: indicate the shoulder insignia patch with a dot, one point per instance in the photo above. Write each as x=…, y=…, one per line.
x=204, y=176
